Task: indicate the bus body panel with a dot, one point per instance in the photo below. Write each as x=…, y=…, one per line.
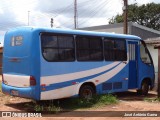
x=55, y=80
x=64, y=83
x=17, y=80
x=27, y=92
x=20, y=62
x=133, y=64
x=146, y=72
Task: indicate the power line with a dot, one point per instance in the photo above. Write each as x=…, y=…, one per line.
x=98, y=5
x=86, y=10
x=97, y=10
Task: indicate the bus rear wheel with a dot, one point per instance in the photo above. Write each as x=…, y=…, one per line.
x=86, y=92
x=144, y=88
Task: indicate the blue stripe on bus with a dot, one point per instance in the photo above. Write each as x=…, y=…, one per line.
x=69, y=83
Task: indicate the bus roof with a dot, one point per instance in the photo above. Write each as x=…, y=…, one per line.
x=78, y=32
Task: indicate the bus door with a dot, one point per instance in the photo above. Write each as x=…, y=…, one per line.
x=133, y=64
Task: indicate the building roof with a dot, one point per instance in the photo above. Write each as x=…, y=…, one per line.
x=133, y=29
x=103, y=27
x=116, y=25
x=153, y=41
x=146, y=28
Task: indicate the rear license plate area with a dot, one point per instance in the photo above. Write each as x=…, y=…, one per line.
x=14, y=92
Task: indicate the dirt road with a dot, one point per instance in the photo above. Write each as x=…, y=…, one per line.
x=128, y=101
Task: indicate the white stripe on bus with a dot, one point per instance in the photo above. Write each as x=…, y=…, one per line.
x=74, y=89
x=76, y=75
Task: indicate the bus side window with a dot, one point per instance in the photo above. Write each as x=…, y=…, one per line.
x=89, y=48
x=144, y=54
x=115, y=50
x=58, y=47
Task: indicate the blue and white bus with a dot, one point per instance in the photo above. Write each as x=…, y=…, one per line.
x=44, y=64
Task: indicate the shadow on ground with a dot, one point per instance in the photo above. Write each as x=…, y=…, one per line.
x=63, y=103
x=133, y=96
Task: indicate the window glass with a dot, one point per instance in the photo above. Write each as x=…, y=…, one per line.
x=109, y=50
x=115, y=50
x=50, y=54
x=120, y=44
x=144, y=54
x=89, y=48
x=82, y=42
x=58, y=47
x=49, y=41
x=120, y=51
x=65, y=42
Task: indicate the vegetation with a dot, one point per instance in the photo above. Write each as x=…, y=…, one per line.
x=54, y=106
x=147, y=15
x=152, y=99
x=96, y=101
x=71, y=104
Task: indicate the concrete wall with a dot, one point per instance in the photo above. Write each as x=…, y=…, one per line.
x=154, y=54
x=112, y=30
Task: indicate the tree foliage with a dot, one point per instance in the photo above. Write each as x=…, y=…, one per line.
x=147, y=15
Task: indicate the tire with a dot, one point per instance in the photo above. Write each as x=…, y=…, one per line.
x=86, y=92
x=144, y=88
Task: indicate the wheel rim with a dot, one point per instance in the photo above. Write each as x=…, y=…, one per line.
x=145, y=87
x=87, y=93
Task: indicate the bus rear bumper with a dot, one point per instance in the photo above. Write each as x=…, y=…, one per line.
x=28, y=92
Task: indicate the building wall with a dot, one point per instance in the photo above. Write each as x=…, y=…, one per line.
x=118, y=30
x=115, y=30
x=154, y=54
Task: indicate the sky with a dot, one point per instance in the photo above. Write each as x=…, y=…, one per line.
x=15, y=13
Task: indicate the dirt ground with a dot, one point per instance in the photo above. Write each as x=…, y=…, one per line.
x=128, y=101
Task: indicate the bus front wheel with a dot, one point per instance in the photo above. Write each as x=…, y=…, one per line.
x=144, y=88
x=86, y=92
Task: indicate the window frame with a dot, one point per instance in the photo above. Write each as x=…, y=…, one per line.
x=115, y=49
x=146, y=52
x=58, y=47
x=75, y=48
x=90, y=48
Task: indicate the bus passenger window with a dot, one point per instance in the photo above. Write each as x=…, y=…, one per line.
x=89, y=48
x=115, y=50
x=58, y=47
x=144, y=54
x=109, y=50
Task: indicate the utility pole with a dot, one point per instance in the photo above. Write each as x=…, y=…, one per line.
x=125, y=16
x=158, y=92
x=75, y=14
x=52, y=20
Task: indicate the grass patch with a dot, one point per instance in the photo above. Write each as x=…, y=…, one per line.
x=72, y=104
x=96, y=101
x=42, y=106
x=152, y=99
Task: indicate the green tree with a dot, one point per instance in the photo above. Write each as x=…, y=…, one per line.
x=147, y=15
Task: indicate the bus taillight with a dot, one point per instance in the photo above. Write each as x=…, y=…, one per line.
x=32, y=81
